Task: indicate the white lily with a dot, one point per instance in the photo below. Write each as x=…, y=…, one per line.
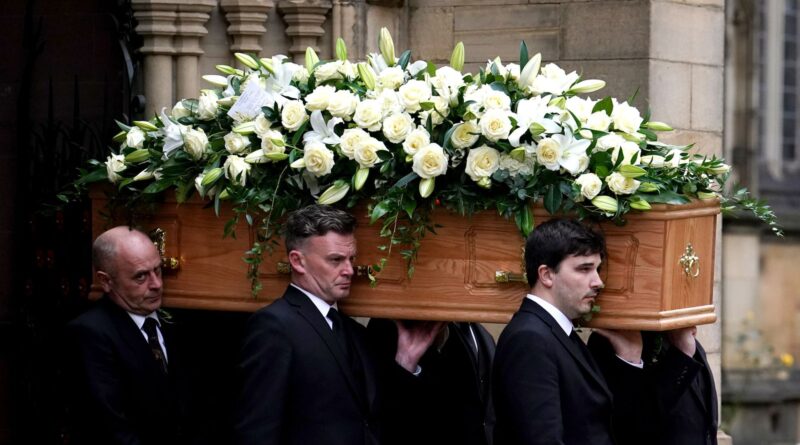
x=173, y=133
x=573, y=152
x=278, y=85
x=323, y=132
x=532, y=111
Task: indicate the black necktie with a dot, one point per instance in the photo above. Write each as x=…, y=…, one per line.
x=340, y=331
x=584, y=350
x=151, y=329
x=466, y=330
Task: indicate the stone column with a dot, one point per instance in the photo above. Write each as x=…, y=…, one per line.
x=190, y=28
x=247, y=19
x=304, y=19
x=157, y=26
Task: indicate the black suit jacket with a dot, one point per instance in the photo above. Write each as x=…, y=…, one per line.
x=681, y=400
x=119, y=393
x=297, y=385
x=547, y=388
x=450, y=401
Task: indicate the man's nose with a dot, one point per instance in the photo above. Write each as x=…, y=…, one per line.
x=348, y=269
x=155, y=281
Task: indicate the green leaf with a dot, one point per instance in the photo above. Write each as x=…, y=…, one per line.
x=299, y=133
x=409, y=205
x=604, y=104
x=404, y=58
x=552, y=200
x=379, y=210
x=523, y=54
x=405, y=180
x=96, y=175
x=159, y=186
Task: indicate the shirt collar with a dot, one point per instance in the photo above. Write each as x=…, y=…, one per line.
x=139, y=319
x=562, y=320
x=320, y=304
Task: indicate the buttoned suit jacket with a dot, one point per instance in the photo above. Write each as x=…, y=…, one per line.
x=297, y=385
x=447, y=402
x=119, y=394
x=546, y=389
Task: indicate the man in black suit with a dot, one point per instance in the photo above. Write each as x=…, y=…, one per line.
x=450, y=401
x=681, y=400
x=308, y=375
x=547, y=387
x=126, y=376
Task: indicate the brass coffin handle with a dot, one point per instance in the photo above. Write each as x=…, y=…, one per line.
x=159, y=237
x=690, y=262
x=284, y=268
x=504, y=276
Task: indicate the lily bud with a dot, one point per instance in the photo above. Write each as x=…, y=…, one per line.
x=605, y=203
x=227, y=101
x=145, y=125
x=587, y=86
x=224, y=195
x=518, y=154
x=647, y=187
x=229, y=70
x=312, y=59
x=485, y=182
x=367, y=75
x=275, y=157
x=640, y=204
x=267, y=64
x=536, y=129
x=214, y=79
x=632, y=171
x=386, y=44
x=256, y=157
x=658, y=126
x=137, y=156
x=426, y=186
x=721, y=169
x=247, y=60
x=300, y=163
x=530, y=70
x=341, y=50
x=144, y=175
x=457, y=58
x=706, y=195
x=119, y=137
x=278, y=142
x=334, y=193
x=211, y=177
x=559, y=102
x=360, y=177
x=245, y=128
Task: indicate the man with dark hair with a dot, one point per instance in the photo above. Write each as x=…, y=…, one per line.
x=308, y=375
x=547, y=387
x=126, y=378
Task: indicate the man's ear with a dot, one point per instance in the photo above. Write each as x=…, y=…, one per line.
x=104, y=280
x=297, y=261
x=545, y=275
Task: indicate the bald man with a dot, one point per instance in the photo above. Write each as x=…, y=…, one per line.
x=126, y=379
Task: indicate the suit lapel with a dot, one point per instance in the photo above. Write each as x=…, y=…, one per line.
x=312, y=315
x=572, y=348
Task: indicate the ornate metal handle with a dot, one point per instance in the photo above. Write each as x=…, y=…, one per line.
x=159, y=237
x=504, y=276
x=284, y=268
x=690, y=262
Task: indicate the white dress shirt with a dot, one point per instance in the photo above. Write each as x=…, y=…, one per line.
x=139, y=320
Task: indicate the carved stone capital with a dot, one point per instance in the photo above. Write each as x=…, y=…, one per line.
x=191, y=25
x=304, y=19
x=156, y=24
x=247, y=19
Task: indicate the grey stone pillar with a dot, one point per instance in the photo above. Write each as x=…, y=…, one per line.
x=247, y=23
x=157, y=26
x=304, y=19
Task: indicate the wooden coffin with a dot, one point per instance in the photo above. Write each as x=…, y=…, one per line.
x=659, y=274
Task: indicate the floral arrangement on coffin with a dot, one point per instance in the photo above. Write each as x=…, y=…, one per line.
x=407, y=137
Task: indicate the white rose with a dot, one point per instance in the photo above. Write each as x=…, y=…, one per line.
x=430, y=161
x=608, y=142
x=548, y=152
x=442, y=107
x=590, y=185
x=319, y=98
x=391, y=78
x=599, y=121
x=368, y=115
x=236, y=169
x=496, y=100
x=415, y=140
x=348, y=70
x=446, y=83
x=628, y=150
x=621, y=185
x=475, y=95
x=351, y=138
x=553, y=79
x=301, y=75
x=412, y=93
x=654, y=161
x=328, y=71
x=482, y=162
x=495, y=125
x=195, y=142
x=342, y=104
x=267, y=144
x=293, y=115
x=262, y=125
x=366, y=153
x=135, y=138
x=626, y=118
x=397, y=126
x=207, y=105
x=465, y=135
x=580, y=107
x=179, y=111
x=318, y=159
x=115, y=164
x=390, y=102
x=236, y=143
